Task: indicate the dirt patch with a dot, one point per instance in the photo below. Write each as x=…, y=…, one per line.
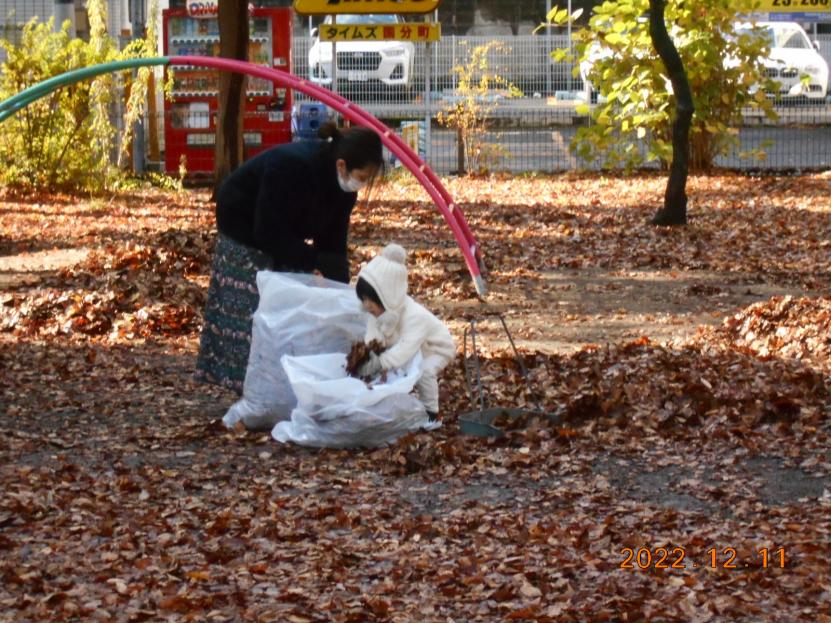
x=28, y=269
x=565, y=310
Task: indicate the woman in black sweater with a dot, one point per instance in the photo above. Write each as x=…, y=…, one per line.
x=286, y=209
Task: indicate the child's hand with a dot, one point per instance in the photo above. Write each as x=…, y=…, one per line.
x=319, y=280
x=371, y=367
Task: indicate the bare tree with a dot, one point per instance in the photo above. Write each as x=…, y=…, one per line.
x=674, y=211
x=233, y=43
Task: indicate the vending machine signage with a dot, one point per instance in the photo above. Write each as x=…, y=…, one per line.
x=202, y=8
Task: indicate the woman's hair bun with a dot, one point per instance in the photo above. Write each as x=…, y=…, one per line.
x=329, y=131
x=394, y=253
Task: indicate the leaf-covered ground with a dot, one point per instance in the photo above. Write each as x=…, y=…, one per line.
x=689, y=478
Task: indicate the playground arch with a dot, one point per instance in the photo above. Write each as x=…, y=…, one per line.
x=425, y=175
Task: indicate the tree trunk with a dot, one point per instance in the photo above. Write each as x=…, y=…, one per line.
x=152, y=119
x=233, y=43
x=674, y=211
x=461, y=149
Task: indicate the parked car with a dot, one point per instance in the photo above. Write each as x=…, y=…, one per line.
x=794, y=61
x=363, y=62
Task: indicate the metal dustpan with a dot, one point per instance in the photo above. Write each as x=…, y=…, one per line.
x=486, y=420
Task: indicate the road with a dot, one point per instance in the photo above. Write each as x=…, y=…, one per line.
x=545, y=149
x=536, y=137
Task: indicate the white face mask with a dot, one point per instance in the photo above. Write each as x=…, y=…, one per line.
x=349, y=184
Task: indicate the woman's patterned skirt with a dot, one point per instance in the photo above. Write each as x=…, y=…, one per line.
x=232, y=301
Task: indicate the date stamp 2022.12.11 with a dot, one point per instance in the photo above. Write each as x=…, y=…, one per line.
x=678, y=558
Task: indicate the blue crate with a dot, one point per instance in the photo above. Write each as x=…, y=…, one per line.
x=308, y=118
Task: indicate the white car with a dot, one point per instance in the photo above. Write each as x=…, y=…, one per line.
x=792, y=57
x=362, y=62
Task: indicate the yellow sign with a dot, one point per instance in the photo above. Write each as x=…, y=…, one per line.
x=363, y=7
x=416, y=31
x=789, y=6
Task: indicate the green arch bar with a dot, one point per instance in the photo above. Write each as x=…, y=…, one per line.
x=11, y=105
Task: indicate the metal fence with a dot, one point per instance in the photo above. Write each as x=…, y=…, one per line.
x=523, y=61
x=534, y=132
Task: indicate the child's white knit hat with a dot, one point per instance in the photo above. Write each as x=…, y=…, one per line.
x=387, y=274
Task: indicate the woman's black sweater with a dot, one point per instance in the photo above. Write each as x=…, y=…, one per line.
x=287, y=203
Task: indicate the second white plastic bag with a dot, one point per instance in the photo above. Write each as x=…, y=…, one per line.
x=335, y=410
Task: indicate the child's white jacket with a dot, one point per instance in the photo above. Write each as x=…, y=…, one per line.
x=406, y=331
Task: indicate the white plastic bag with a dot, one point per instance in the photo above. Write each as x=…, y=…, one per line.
x=335, y=410
x=298, y=314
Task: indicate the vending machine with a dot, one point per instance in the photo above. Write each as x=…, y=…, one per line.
x=191, y=112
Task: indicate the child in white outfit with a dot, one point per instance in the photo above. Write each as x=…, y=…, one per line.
x=403, y=326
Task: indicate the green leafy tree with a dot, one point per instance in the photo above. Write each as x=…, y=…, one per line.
x=101, y=49
x=138, y=86
x=65, y=140
x=478, y=89
x=632, y=123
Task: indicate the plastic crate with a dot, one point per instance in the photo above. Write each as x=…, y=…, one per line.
x=308, y=119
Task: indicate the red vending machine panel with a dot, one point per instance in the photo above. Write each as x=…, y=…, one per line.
x=190, y=115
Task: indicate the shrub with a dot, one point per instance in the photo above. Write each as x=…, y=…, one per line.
x=66, y=139
x=478, y=88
